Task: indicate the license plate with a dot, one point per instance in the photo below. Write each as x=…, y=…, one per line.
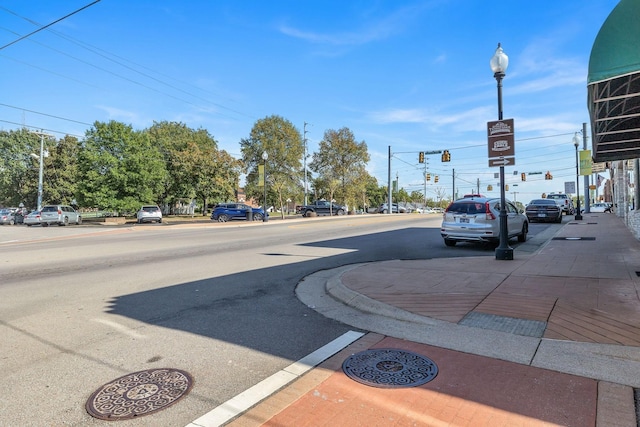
x=464, y=220
x=542, y=215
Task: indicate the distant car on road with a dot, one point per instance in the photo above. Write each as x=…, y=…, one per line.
x=149, y=213
x=543, y=210
x=565, y=203
x=6, y=217
x=600, y=207
x=33, y=218
x=59, y=214
x=321, y=207
x=476, y=219
x=384, y=208
x=224, y=212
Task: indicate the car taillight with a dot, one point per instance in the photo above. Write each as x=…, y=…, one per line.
x=490, y=216
x=59, y=212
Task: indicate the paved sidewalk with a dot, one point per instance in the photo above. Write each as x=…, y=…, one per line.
x=549, y=338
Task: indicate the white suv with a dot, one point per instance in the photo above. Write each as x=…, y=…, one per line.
x=149, y=213
x=564, y=202
x=476, y=219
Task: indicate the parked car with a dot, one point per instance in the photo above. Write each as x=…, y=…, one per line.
x=224, y=212
x=59, y=214
x=394, y=208
x=600, y=207
x=477, y=219
x=149, y=213
x=564, y=201
x=19, y=215
x=33, y=218
x=6, y=217
x=543, y=210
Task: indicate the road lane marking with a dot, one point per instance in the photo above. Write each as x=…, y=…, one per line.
x=250, y=397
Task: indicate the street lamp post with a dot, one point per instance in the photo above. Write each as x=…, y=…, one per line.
x=265, y=156
x=576, y=143
x=499, y=63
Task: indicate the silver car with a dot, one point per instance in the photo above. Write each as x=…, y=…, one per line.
x=33, y=218
x=477, y=219
x=6, y=217
x=59, y=214
x=149, y=213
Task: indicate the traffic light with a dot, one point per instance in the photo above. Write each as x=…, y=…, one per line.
x=446, y=156
x=489, y=187
x=428, y=177
x=523, y=176
x=548, y=175
x=421, y=157
x=506, y=187
x=436, y=179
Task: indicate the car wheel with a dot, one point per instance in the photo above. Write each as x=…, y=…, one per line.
x=12, y=222
x=79, y=220
x=384, y=211
x=223, y=218
x=257, y=217
x=522, y=237
x=64, y=222
x=340, y=212
x=160, y=221
x=449, y=242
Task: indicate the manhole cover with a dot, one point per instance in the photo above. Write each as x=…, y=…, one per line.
x=138, y=394
x=389, y=368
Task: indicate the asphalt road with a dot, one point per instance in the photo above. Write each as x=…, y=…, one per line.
x=83, y=305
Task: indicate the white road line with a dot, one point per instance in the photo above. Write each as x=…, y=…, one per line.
x=248, y=398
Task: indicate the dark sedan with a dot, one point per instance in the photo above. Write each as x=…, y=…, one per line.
x=543, y=210
x=224, y=212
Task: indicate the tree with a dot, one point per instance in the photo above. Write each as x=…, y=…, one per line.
x=195, y=166
x=62, y=171
x=119, y=168
x=283, y=144
x=18, y=170
x=340, y=157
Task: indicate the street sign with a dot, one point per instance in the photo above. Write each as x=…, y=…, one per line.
x=569, y=187
x=500, y=135
x=502, y=161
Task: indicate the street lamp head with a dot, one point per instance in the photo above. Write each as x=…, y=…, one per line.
x=576, y=140
x=499, y=62
x=265, y=156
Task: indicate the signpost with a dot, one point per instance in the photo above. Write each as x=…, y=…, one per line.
x=501, y=146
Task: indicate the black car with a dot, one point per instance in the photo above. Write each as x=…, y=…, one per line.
x=543, y=210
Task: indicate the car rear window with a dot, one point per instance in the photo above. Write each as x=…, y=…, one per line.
x=50, y=209
x=470, y=208
x=150, y=208
x=543, y=202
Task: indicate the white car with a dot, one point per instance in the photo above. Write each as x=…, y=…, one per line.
x=59, y=214
x=600, y=207
x=476, y=219
x=149, y=213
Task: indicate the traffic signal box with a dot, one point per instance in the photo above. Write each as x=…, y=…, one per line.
x=446, y=156
x=428, y=177
x=436, y=178
x=421, y=157
x=523, y=176
x=548, y=175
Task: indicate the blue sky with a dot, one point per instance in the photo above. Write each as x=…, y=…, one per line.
x=412, y=75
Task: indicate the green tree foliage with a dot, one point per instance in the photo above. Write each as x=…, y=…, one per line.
x=340, y=157
x=62, y=171
x=195, y=166
x=119, y=168
x=17, y=167
x=284, y=146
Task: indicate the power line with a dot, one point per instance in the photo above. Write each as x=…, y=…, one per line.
x=48, y=25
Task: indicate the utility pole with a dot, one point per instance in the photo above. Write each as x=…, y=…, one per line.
x=305, y=162
x=389, y=181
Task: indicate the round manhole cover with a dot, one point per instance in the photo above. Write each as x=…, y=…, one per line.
x=138, y=394
x=389, y=368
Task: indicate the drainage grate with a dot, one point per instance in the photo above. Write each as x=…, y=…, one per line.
x=389, y=368
x=527, y=328
x=573, y=238
x=138, y=394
